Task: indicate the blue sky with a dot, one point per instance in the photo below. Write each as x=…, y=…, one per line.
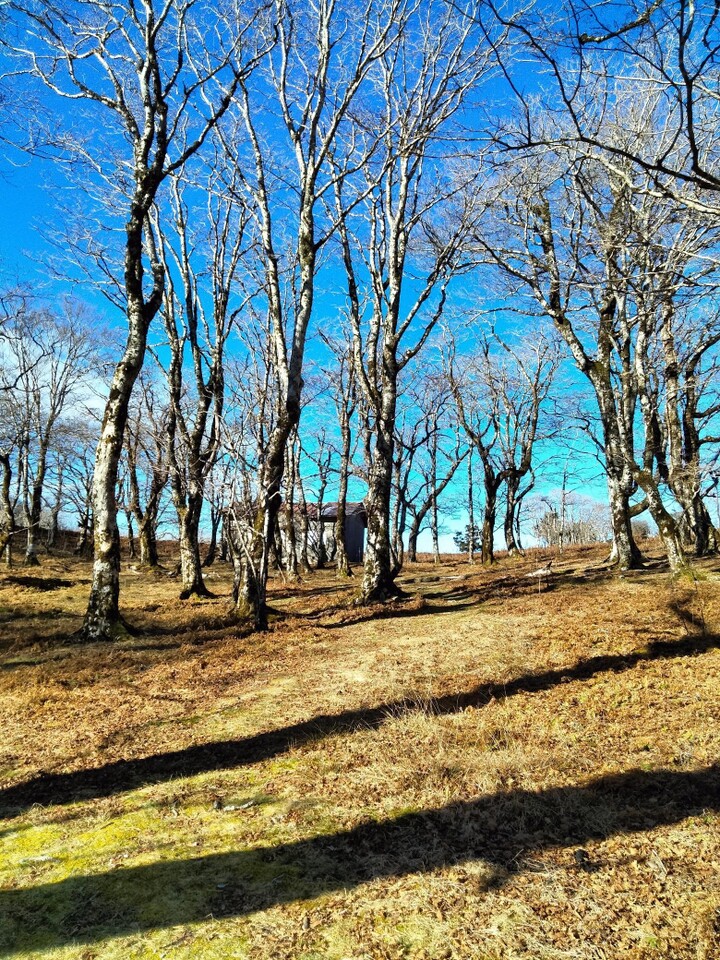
x=28, y=189
x=27, y=210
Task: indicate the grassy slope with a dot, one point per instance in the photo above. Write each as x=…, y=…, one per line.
x=492, y=769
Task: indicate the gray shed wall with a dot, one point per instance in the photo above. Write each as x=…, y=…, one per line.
x=354, y=539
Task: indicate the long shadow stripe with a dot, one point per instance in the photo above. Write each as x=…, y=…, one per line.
x=123, y=775
x=500, y=829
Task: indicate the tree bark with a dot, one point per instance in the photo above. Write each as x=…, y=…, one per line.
x=342, y=564
x=8, y=525
x=190, y=561
x=512, y=484
x=102, y=617
x=487, y=538
x=378, y=581
x=215, y=517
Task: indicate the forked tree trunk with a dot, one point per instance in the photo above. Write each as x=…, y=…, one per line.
x=619, y=460
x=251, y=589
x=624, y=552
x=667, y=525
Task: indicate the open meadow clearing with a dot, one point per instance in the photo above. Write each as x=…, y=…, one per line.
x=496, y=767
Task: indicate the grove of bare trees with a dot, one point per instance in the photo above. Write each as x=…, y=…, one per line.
x=374, y=261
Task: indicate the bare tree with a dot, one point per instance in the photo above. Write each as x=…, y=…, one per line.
x=555, y=232
x=342, y=384
x=150, y=91
x=51, y=357
x=206, y=263
x=430, y=465
x=610, y=263
x=216, y=487
x=147, y=463
x=81, y=437
x=522, y=376
x=403, y=226
x=675, y=293
x=478, y=406
x=320, y=63
x=413, y=434
x=595, y=59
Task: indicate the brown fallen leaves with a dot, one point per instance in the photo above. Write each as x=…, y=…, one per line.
x=479, y=686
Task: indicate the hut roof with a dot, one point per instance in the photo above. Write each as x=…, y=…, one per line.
x=328, y=513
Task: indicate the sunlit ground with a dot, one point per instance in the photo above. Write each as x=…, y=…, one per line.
x=498, y=767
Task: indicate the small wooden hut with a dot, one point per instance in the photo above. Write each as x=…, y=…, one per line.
x=355, y=526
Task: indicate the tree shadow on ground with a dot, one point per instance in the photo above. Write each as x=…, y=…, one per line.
x=38, y=583
x=142, y=634
x=464, y=594
x=305, y=593
x=122, y=775
x=403, y=609
x=500, y=829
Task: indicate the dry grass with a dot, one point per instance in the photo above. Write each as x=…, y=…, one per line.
x=490, y=769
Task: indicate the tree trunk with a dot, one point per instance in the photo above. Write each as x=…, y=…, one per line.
x=84, y=546
x=288, y=515
x=624, y=553
x=148, y=544
x=132, y=551
x=412, y=540
x=102, y=617
x=487, y=547
x=304, y=524
x=342, y=564
x=190, y=561
x=378, y=582
x=31, y=557
x=33, y=531
x=223, y=546
x=512, y=484
x=8, y=524
x=251, y=594
x=668, y=527
x=471, y=510
x=215, y=516
x=487, y=540
x=435, y=531
x=707, y=537
x=53, y=528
